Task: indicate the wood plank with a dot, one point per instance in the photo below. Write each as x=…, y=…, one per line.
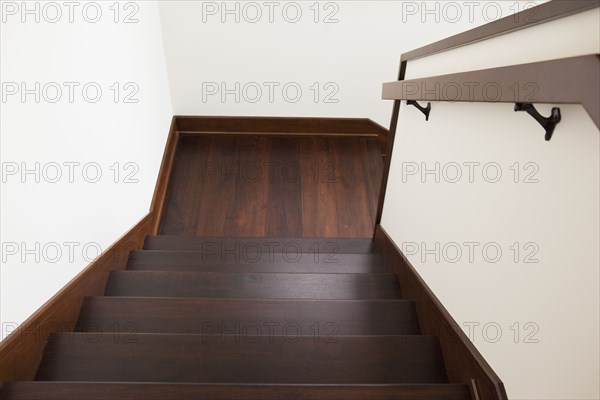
x=166, y=391
x=165, y=260
x=218, y=359
x=249, y=213
x=463, y=361
x=183, y=212
x=253, y=285
x=270, y=245
x=285, y=189
x=219, y=177
x=351, y=199
x=318, y=189
x=319, y=319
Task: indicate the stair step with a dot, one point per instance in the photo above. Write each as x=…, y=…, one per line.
x=323, y=319
x=258, y=244
x=108, y=357
x=252, y=285
x=167, y=391
x=162, y=260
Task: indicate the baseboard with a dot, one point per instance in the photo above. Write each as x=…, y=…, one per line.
x=464, y=363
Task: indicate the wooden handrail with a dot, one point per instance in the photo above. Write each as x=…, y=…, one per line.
x=540, y=82
x=543, y=13
x=534, y=16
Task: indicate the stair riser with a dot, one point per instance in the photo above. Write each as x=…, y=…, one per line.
x=248, y=319
x=253, y=286
x=135, y=391
x=237, y=247
x=158, y=260
x=194, y=359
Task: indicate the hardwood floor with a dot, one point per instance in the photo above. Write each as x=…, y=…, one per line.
x=284, y=186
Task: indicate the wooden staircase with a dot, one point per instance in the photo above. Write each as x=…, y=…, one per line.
x=170, y=312
x=245, y=318
x=232, y=289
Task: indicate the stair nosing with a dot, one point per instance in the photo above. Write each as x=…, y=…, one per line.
x=399, y=300
x=362, y=274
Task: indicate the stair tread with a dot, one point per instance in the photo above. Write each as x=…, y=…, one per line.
x=252, y=285
x=158, y=260
x=106, y=357
x=169, y=391
x=249, y=317
x=273, y=245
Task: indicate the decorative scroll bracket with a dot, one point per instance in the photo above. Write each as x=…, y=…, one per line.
x=548, y=123
x=424, y=110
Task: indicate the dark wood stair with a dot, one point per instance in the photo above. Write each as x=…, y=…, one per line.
x=239, y=358
x=245, y=318
x=168, y=260
x=164, y=391
x=324, y=318
x=248, y=285
x=241, y=245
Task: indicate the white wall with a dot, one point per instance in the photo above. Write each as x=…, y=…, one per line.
x=551, y=209
x=205, y=46
x=91, y=215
